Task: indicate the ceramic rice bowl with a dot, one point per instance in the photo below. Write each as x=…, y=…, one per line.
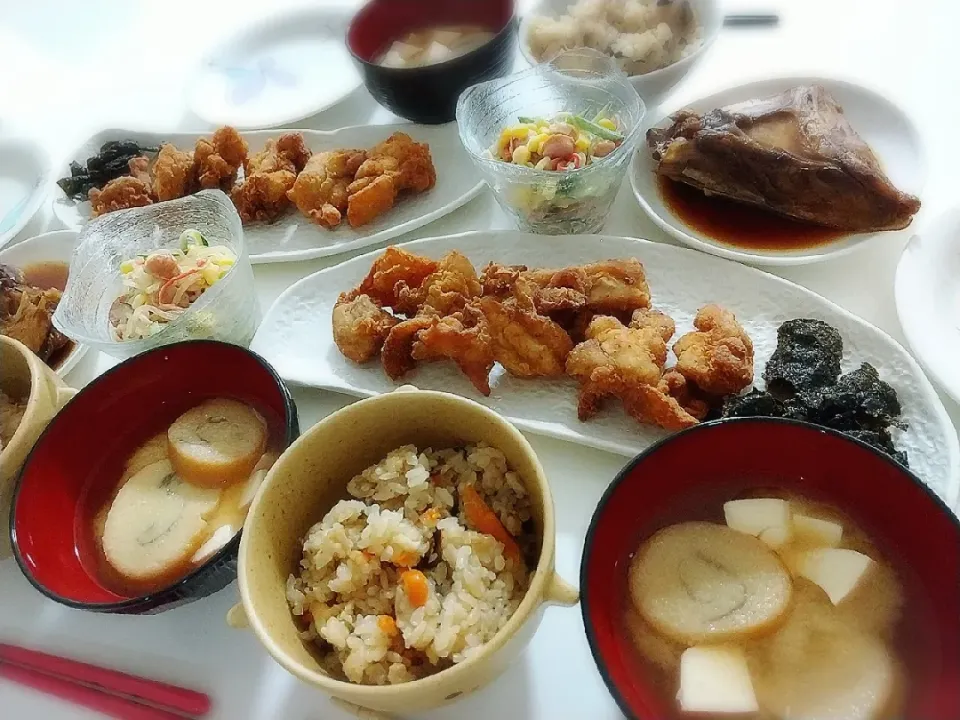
x=311, y=476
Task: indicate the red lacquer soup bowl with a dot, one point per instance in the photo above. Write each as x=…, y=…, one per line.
x=692, y=473
x=78, y=461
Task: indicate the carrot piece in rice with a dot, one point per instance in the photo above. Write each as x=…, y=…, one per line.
x=416, y=587
x=486, y=521
x=387, y=625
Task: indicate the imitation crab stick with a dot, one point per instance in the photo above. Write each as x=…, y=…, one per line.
x=416, y=587
x=486, y=521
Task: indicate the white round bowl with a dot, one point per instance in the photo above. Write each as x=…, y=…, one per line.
x=654, y=86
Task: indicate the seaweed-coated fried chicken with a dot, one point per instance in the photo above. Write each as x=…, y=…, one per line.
x=119, y=194
x=216, y=161
x=173, y=175
x=718, y=356
x=360, y=326
x=320, y=191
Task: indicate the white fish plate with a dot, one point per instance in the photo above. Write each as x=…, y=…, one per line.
x=294, y=237
x=296, y=337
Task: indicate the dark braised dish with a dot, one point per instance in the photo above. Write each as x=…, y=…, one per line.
x=26, y=314
x=111, y=162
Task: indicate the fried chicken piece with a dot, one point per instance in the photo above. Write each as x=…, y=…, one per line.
x=394, y=267
x=397, y=351
x=464, y=338
x=527, y=344
x=615, y=359
x=372, y=199
x=718, y=356
x=286, y=152
x=263, y=196
x=499, y=280
x=399, y=155
x=140, y=168
x=505, y=280
x=650, y=405
x=360, y=326
x=173, y=175
x=444, y=291
x=660, y=322
x=216, y=161
x=119, y=194
x=320, y=191
x=688, y=397
x=609, y=287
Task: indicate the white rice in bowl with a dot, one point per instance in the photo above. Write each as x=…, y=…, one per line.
x=421, y=567
x=641, y=35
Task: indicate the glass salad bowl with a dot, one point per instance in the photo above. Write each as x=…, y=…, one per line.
x=577, y=86
x=227, y=309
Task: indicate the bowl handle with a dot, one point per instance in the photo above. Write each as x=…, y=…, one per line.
x=64, y=395
x=360, y=711
x=560, y=592
x=237, y=618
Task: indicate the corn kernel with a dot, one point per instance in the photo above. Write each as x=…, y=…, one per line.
x=537, y=142
x=521, y=155
x=210, y=273
x=126, y=266
x=582, y=144
x=607, y=123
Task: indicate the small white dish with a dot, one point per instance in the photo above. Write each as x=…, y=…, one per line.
x=296, y=337
x=24, y=176
x=294, y=237
x=654, y=86
x=886, y=128
x=57, y=246
x=276, y=72
x=927, y=293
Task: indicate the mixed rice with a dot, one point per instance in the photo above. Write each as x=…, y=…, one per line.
x=424, y=564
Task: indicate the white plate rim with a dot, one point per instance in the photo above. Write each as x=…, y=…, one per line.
x=952, y=491
x=44, y=167
x=65, y=240
x=839, y=248
x=61, y=202
x=912, y=290
x=337, y=13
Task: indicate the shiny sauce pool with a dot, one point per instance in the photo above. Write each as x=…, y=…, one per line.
x=739, y=224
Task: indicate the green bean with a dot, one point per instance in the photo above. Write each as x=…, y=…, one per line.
x=599, y=130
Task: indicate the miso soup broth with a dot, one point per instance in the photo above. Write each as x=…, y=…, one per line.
x=774, y=607
x=181, y=496
x=431, y=46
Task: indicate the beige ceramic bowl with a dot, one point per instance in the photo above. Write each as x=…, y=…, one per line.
x=24, y=375
x=311, y=476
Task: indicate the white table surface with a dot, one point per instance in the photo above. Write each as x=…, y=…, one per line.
x=72, y=68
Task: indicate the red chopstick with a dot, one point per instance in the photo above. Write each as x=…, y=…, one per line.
x=118, y=694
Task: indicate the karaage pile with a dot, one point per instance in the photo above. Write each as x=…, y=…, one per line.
x=592, y=323
x=357, y=184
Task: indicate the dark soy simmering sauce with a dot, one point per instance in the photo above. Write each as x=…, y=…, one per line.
x=740, y=224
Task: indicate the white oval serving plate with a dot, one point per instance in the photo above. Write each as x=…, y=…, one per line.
x=57, y=246
x=24, y=176
x=294, y=237
x=296, y=337
x=927, y=293
x=885, y=127
x=277, y=71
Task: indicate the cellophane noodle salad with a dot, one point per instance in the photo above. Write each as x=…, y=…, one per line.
x=161, y=285
x=561, y=199
x=641, y=35
x=420, y=568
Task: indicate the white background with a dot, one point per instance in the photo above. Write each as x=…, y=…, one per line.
x=70, y=68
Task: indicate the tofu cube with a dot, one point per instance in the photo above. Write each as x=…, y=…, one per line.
x=836, y=570
x=816, y=532
x=766, y=518
x=715, y=679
